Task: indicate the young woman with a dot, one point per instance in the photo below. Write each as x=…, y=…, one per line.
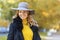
x=23, y=26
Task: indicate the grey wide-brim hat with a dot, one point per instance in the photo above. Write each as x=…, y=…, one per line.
x=24, y=6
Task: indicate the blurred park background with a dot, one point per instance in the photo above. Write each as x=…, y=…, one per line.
x=47, y=14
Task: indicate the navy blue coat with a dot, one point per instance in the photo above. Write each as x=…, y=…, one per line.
x=15, y=32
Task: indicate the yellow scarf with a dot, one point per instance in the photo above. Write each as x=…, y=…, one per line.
x=27, y=32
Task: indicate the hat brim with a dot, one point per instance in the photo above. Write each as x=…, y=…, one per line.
x=31, y=11
x=22, y=9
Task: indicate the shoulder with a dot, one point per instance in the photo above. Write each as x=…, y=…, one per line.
x=34, y=28
x=12, y=25
x=35, y=23
x=16, y=24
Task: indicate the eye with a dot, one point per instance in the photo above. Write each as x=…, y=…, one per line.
x=25, y=11
x=19, y=11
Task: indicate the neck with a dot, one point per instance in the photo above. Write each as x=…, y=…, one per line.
x=24, y=21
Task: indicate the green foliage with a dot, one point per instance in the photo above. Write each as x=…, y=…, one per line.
x=47, y=12
x=3, y=37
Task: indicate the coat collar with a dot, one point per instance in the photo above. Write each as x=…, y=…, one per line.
x=17, y=20
x=18, y=23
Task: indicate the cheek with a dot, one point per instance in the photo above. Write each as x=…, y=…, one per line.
x=23, y=16
x=19, y=14
x=26, y=15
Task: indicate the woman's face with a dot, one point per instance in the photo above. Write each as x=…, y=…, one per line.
x=23, y=14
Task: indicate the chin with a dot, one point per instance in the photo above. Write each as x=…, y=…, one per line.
x=23, y=18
